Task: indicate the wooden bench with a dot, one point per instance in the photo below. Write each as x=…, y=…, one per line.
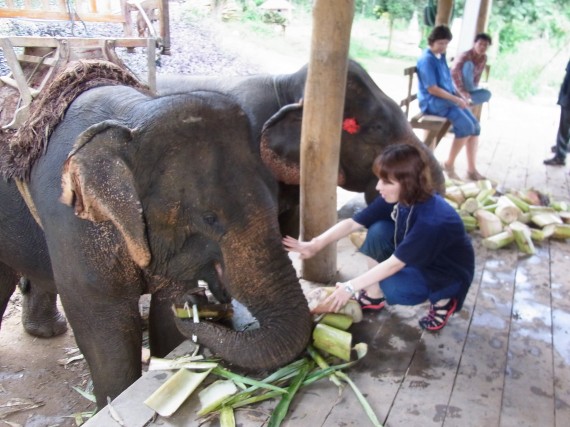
x=435, y=126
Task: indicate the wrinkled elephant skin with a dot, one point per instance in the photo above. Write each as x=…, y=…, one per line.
x=143, y=205
x=372, y=121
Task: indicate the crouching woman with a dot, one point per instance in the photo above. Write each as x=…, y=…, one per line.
x=416, y=243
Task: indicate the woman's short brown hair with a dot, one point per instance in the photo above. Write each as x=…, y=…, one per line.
x=441, y=32
x=408, y=166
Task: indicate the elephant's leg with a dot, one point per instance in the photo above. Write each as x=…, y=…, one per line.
x=8, y=281
x=40, y=315
x=108, y=332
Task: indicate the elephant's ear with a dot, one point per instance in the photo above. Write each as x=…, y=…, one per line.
x=281, y=142
x=100, y=186
x=280, y=146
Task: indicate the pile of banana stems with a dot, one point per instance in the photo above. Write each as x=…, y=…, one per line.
x=231, y=391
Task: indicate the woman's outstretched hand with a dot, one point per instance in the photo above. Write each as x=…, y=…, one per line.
x=338, y=299
x=305, y=249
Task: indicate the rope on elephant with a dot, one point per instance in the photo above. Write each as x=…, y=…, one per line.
x=30, y=141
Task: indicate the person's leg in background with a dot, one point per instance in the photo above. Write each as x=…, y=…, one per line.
x=562, y=139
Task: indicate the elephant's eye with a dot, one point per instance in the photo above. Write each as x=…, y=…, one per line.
x=210, y=218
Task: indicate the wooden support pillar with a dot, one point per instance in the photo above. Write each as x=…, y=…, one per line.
x=165, y=26
x=483, y=18
x=325, y=90
x=444, y=10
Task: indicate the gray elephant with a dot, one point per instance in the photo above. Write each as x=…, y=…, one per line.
x=132, y=200
x=372, y=121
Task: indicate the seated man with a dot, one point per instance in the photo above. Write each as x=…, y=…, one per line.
x=467, y=69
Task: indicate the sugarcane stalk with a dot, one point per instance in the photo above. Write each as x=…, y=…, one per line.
x=317, y=296
x=507, y=210
x=227, y=418
x=332, y=340
x=560, y=206
x=498, y=241
x=470, y=189
x=564, y=216
x=470, y=205
x=207, y=311
x=561, y=231
x=490, y=208
x=484, y=195
x=540, y=235
x=489, y=223
x=521, y=233
x=546, y=218
x=535, y=210
x=522, y=205
x=455, y=194
x=469, y=222
x=337, y=320
x=322, y=363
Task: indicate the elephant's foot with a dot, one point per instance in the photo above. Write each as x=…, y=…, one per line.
x=40, y=315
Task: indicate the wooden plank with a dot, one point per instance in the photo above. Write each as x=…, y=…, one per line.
x=528, y=393
x=560, y=289
x=478, y=389
x=49, y=15
x=424, y=394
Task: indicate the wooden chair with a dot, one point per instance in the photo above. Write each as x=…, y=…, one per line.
x=435, y=126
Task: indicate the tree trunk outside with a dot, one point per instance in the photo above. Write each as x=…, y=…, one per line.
x=321, y=130
x=444, y=9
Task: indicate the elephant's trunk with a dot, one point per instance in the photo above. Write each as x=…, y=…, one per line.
x=263, y=279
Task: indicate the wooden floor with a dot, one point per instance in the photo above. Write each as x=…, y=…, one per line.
x=504, y=360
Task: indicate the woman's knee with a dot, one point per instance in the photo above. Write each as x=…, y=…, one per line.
x=379, y=242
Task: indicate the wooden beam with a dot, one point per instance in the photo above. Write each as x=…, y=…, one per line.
x=483, y=18
x=444, y=10
x=321, y=130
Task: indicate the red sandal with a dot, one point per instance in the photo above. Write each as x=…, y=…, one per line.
x=370, y=304
x=437, y=317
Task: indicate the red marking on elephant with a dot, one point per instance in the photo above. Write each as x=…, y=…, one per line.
x=350, y=125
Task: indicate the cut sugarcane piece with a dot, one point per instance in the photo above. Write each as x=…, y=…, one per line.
x=489, y=223
x=357, y=238
x=540, y=235
x=337, y=320
x=546, y=218
x=170, y=395
x=470, y=205
x=561, y=231
x=206, y=311
x=485, y=195
x=469, y=222
x=317, y=296
x=455, y=194
x=521, y=204
x=521, y=233
x=470, y=189
x=485, y=184
x=214, y=394
x=564, y=216
x=490, y=208
x=535, y=210
x=332, y=340
x=525, y=217
x=507, y=210
x=187, y=362
x=227, y=418
x=499, y=241
x=560, y=206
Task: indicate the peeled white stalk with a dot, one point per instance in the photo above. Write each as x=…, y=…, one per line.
x=214, y=394
x=170, y=395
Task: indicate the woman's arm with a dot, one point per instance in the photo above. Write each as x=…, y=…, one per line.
x=309, y=249
x=442, y=93
x=344, y=291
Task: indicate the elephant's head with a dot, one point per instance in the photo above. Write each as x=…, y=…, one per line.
x=372, y=121
x=178, y=179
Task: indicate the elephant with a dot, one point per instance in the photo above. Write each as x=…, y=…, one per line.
x=131, y=199
x=371, y=122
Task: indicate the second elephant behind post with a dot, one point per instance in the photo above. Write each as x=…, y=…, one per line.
x=372, y=121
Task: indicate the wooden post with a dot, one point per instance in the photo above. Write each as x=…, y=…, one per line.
x=165, y=26
x=483, y=18
x=444, y=9
x=325, y=90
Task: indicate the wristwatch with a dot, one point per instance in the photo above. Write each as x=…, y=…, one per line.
x=349, y=288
